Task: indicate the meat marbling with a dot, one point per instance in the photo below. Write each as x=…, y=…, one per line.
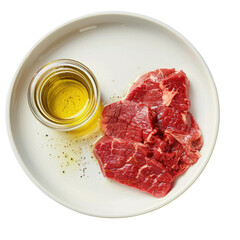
x=128, y=120
x=150, y=137
x=131, y=163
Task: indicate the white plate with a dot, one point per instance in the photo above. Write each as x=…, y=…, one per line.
x=117, y=47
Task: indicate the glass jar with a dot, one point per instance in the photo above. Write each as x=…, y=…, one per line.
x=64, y=95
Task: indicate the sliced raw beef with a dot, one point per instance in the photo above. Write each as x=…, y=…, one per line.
x=180, y=125
x=190, y=139
x=162, y=152
x=169, y=152
x=131, y=163
x=150, y=137
x=181, y=168
x=183, y=128
x=175, y=89
x=170, y=118
x=147, y=89
x=128, y=120
x=185, y=134
x=163, y=87
x=180, y=157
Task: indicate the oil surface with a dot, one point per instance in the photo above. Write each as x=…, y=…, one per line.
x=69, y=97
x=66, y=98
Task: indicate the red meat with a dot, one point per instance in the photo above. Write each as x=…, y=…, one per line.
x=131, y=163
x=147, y=89
x=128, y=120
x=150, y=137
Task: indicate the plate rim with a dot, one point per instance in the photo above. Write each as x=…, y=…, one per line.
x=102, y=13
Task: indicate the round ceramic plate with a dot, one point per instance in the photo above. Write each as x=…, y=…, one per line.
x=117, y=47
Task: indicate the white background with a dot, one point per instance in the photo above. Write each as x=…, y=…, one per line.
x=209, y=209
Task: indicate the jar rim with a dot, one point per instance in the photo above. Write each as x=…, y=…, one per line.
x=38, y=78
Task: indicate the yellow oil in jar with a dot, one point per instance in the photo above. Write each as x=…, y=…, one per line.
x=64, y=95
x=67, y=98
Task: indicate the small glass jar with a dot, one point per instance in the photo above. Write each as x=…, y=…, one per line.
x=64, y=95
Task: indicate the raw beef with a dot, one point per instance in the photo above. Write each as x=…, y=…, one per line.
x=183, y=128
x=131, y=163
x=150, y=137
x=175, y=91
x=163, y=87
x=147, y=89
x=128, y=120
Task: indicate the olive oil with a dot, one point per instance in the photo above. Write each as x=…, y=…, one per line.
x=64, y=95
x=66, y=98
